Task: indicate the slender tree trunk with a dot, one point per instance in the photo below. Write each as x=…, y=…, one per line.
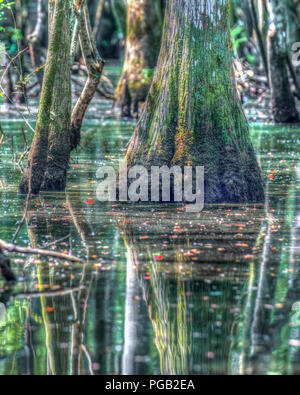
x=37, y=161
x=193, y=115
x=283, y=102
x=118, y=8
x=8, y=85
x=260, y=40
x=94, y=64
x=20, y=88
x=245, y=6
x=59, y=144
x=142, y=47
x=98, y=18
x=35, y=37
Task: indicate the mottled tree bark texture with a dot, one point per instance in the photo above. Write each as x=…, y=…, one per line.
x=283, y=102
x=59, y=147
x=144, y=22
x=193, y=115
x=53, y=121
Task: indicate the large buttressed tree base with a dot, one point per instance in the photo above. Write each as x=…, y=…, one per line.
x=193, y=114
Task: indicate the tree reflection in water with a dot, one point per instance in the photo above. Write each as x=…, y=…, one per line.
x=191, y=291
x=209, y=293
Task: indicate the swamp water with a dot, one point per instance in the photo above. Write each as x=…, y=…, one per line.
x=159, y=290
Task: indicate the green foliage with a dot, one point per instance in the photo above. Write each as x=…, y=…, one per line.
x=15, y=36
x=238, y=37
x=3, y=6
x=147, y=75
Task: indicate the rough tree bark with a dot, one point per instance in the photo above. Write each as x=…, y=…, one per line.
x=193, y=115
x=283, y=102
x=57, y=130
x=34, y=174
x=143, y=37
x=59, y=145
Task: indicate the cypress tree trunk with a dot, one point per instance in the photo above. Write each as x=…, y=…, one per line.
x=144, y=22
x=59, y=146
x=34, y=174
x=283, y=102
x=193, y=115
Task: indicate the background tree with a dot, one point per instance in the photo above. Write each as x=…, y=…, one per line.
x=119, y=12
x=144, y=21
x=283, y=102
x=193, y=115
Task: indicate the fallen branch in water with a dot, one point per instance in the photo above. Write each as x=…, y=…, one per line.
x=37, y=251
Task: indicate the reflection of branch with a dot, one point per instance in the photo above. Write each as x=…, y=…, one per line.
x=81, y=224
x=88, y=357
x=81, y=303
x=46, y=294
x=37, y=251
x=24, y=215
x=56, y=241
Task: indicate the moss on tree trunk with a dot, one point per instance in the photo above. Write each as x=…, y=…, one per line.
x=59, y=146
x=193, y=115
x=144, y=21
x=34, y=174
x=57, y=130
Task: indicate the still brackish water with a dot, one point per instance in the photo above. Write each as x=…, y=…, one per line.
x=159, y=291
